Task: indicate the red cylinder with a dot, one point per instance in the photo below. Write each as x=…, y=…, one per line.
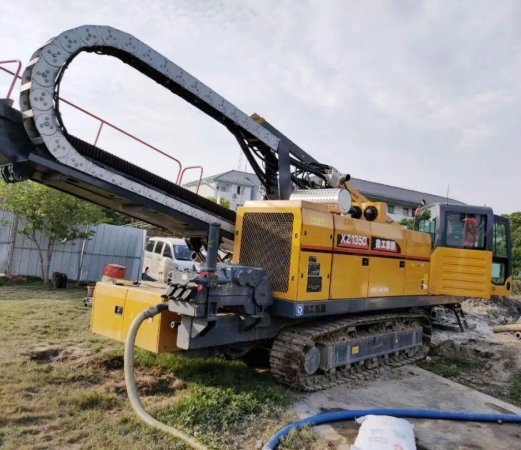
x=114, y=271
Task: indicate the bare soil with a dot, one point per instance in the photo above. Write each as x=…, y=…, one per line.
x=480, y=359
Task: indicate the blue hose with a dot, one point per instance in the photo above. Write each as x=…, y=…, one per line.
x=403, y=413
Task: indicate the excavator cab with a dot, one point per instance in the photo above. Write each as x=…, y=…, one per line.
x=471, y=249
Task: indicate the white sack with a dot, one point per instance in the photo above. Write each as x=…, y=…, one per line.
x=384, y=433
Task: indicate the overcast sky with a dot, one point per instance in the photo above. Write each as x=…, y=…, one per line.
x=421, y=95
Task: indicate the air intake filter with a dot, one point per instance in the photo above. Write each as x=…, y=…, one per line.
x=338, y=200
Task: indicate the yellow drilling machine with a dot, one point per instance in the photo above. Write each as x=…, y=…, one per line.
x=319, y=275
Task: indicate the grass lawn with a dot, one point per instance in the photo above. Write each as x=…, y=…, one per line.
x=62, y=387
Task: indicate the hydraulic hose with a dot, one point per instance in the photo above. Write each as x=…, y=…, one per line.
x=318, y=419
x=130, y=380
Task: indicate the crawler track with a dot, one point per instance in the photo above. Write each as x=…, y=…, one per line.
x=287, y=354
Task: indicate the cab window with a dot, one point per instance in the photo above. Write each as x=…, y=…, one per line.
x=500, y=240
x=499, y=251
x=428, y=226
x=182, y=253
x=426, y=223
x=150, y=246
x=466, y=230
x=159, y=248
x=167, y=251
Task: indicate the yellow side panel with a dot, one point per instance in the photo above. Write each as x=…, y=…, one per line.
x=317, y=230
x=387, y=270
x=386, y=277
x=155, y=334
x=115, y=307
x=315, y=273
x=316, y=244
x=106, y=318
x=416, y=277
x=418, y=245
x=417, y=266
x=349, y=277
x=459, y=272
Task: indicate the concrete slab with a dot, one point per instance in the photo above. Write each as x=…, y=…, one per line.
x=415, y=388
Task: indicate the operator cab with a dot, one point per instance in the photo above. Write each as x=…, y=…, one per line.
x=471, y=228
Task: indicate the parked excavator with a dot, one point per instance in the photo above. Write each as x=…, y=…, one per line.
x=321, y=277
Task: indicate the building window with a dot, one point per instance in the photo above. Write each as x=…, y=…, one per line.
x=390, y=209
x=238, y=189
x=406, y=212
x=222, y=188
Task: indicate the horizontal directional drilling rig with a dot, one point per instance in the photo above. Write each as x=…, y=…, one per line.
x=320, y=275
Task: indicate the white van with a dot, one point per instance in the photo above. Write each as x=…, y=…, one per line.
x=164, y=255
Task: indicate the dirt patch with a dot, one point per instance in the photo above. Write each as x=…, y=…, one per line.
x=110, y=362
x=76, y=354
x=165, y=385
x=482, y=316
x=499, y=311
x=479, y=359
x=57, y=354
x=44, y=356
x=147, y=385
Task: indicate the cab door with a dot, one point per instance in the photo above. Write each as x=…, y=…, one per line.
x=157, y=269
x=501, y=257
x=149, y=261
x=167, y=262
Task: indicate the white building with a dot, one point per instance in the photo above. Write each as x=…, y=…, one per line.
x=239, y=187
x=235, y=186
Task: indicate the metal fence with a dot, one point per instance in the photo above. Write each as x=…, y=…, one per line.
x=80, y=260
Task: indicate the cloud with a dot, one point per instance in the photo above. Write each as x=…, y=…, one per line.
x=415, y=94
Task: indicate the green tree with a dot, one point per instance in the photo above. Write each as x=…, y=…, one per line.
x=515, y=231
x=116, y=218
x=407, y=223
x=56, y=216
x=223, y=202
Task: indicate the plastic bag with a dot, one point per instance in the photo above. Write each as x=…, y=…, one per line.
x=384, y=433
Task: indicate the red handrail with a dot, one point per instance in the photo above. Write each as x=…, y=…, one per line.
x=104, y=122
x=200, y=177
x=16, y=76
x=99, y=132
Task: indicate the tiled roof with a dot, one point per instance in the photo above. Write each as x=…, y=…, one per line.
x=378, y=191
x=372, y=190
